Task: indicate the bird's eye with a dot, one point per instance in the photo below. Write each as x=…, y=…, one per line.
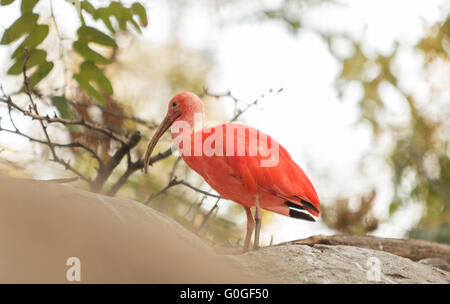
x=174, y=104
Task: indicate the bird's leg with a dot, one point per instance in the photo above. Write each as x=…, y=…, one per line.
x=250, y=226
x=258, y=217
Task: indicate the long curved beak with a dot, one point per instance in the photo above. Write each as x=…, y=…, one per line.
x=165, y=124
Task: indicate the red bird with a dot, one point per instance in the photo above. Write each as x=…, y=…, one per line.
x=239, y=162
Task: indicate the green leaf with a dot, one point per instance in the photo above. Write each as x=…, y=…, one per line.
x=446, y=28
x=136, y=25
x=36, y=36
x=35, y=57
x=65, y=111
x=40, y=73
x=28, y=5
x=89, y=72
x=84, y=50
x=121, y=13
x=21, y=26
x=91, y=34
x=97, y=75
x=85, y=85
x=89, y=8
x=353, y=67
x=139, y=10
x=105, y=15
x=394, y=206
x=88, y=34
x=6, y=2
x=63, y=107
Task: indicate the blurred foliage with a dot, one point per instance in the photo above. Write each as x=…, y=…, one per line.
x=290, y=12
x=90, y=76
x=107, y=85
x=26, y=25
x=419, y=157
x=341, y=217
x=110, y=83
x=440, y=233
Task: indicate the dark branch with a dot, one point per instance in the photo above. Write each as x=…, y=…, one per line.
x=34, y=109
x=135, y=166
x=208, y=215
x=48, y=119
x=148, y=124
x=175, y=181
x=26, y=82
x=75, y=144
x=107, y=169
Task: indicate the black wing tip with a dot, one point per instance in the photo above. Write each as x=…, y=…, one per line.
x=306, y=205
x=310, y=206
x=292, y=205
x=301, y=215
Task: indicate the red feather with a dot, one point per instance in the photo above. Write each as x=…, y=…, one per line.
x=242, y=178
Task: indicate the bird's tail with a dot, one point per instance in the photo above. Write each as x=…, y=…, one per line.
x=297, y=204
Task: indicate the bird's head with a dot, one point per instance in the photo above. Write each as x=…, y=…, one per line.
x=182, y=107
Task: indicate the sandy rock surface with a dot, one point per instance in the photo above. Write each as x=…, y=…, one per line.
x=337, y=264
x=43, y=224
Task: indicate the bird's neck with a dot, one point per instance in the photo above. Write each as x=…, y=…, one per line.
x=186, y=124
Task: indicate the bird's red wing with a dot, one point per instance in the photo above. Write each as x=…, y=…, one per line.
x=300, y=190
x=285, y=179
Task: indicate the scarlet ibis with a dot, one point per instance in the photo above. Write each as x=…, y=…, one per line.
x=241, y=163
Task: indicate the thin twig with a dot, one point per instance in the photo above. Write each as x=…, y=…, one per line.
x=34, y=108
x=148, y=124
x=237, y=112
x=240, y=112
x=61, y=47
x=182, y=182
x=107, y=169
x=218, y=96
x=174, y=168
x=197, y=206
x=163, y=190
x=175, y=181
x=75, y=144
x=33, y=104
x=208, y=215
x=48, y=119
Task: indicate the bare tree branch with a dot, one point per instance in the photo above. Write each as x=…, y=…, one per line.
x=182, y=182
x=132, y=167
x=174, y=167
x=175, y=181
x=33, y=104
x=104, y=170
x=75, y=144
x=208, y=215
x=135, y=166
x=172, y=183
x=237, y=112
x=219, y=96
x=48, y=119
x=33, y=108
x=107, y=169
x=148, y=124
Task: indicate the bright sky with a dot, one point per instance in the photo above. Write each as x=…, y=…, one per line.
x=307, y=117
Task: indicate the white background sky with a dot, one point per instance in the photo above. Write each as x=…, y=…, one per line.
x=307, y=117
